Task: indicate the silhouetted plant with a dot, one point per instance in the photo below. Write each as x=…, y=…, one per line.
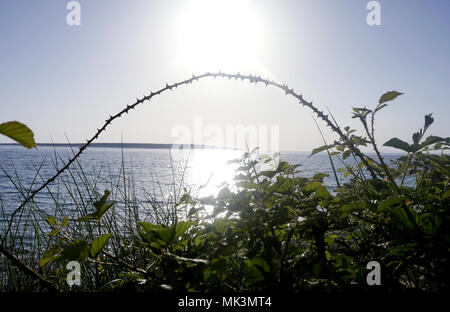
x=275, y=229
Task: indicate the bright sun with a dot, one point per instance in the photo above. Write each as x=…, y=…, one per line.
x=219, y=35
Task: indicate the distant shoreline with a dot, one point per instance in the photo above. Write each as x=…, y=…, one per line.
x=163, y=146
x=128, y=145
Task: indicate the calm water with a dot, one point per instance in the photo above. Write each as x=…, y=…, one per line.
x=153, y=171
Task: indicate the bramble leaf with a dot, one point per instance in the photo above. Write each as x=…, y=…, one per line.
x=98, y=244
x=19, y=133
x=428, y=120
x=321, y=149
x=389, y=96
x=399, y=144
x=77, y=250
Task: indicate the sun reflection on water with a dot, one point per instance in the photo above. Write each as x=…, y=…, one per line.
x=208, y=169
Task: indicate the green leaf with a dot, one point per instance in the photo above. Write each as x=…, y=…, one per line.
x=101, y=208
x=380, y=107
x=157, y=236
x=199, y=240
x=182, y=227
x=433, y=139
x=224, y=251
x=19, y=133
x=221, y=225
x=247, y=184
x=98, y=244
x=346, y=154
x=322, y=193
x=312, y=186
x=102, y=200
x=321, y=149
x=253, y=274
x=416, y=137
x=163, y=235
x=402, y=217
x=428, y=120
x=65, y=221
x=52, y=221
x=149, y=227
x=77, y=250
x=319, y=176
x=283, y=166
x=54, y=232
x=260, y=263
x=399, y=144
x=49, y=256
x=388, y=203
x=389, y=96
x=101, y=205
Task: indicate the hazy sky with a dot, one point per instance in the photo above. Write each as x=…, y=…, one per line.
x=65, y=80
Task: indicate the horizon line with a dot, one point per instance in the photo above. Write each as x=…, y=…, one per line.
x=153, y=146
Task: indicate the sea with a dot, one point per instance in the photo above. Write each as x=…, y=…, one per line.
x=147, y=174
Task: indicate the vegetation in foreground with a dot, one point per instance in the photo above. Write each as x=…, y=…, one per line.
x=274, y=230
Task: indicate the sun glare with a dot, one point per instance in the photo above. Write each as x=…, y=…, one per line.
x=209, y=168
x=219, y=35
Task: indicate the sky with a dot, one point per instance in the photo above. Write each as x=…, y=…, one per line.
x=64, y=80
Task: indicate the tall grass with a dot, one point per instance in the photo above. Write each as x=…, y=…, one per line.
x=281, y=214
x=72, y=196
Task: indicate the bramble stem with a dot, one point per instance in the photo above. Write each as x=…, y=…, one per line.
x=249, y=78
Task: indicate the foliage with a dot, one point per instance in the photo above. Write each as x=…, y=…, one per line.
x=276, y=230
x=18, y=132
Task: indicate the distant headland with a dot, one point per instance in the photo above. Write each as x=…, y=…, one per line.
x=130, y=145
